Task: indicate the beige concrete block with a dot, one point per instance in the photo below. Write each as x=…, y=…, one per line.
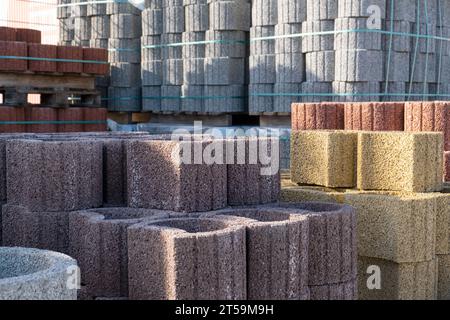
x=400, y=161
x=399, y=281
x=325, y=158
x=443, y=285
x=297, y=194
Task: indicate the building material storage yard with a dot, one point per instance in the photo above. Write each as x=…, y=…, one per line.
x=226, y=150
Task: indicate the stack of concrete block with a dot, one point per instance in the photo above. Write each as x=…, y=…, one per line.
x=319, y=50
x=82, y=24
x=66, y=22
x=124, y=45
x=317, y=116
x=402, y=173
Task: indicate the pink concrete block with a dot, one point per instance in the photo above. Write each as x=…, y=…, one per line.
x=316, y=116
x=374, y=116
x=447, y=166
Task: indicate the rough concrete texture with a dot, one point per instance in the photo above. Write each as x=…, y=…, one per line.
x=398, y=227
x=224, y=71
x=124, y=99
x=286, y=44
x=194, y=71
x=293, y=193
x=262, y=47
x=152, y=22
x=187, y=186
x=71, y=53
x=98, y=241
x=283, y=99
x=316, y=91
x=193, y=51
x=399, y=281
x=193, y=103
x=226, y=44
x=37, y=50
x=400, y=161
x=443, y=277
x=125, y=74
x=355, y=40
x=13, y=114
x=54, y=176
x=132, y=54
x=187, y=259
x=264, y=12
x=356, y=91
x=336, y=291
x=229, y=15
x=291, y=11
x=447, y=166
x=95, y=54
x=359, y=8
x=42, y=230
x=313, y=116
x=325, y=158
x=289, y=68
x=277, y=241
x=31, y=274
x=125, y=26
x=46, y=115
x=429, y=116
x=151, y=98
x=320, y=66
x=258, y=102
x=173, y=19
x=196, y=17
x=324, y=42
x=100, y=27
x=70, y=114
x=359, y=65
x=321, y=9
x=248, y=181
x=374, y=116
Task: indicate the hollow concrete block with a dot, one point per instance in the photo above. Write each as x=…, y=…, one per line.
x=291, y=11
x=314, y=116
x=373, y=116
x=321, y=9
x=287, y=44
x=295, y=194
x=336, y=291
x=443, y=277
x=262, y=47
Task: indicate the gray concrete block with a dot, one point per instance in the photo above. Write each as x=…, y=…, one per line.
x=443, y=47
x=152, y=53
x=423, y=67
x=356, y=91
x=320, y=66
x=194, y=71
x=81, y=9
x=288, y=44
x=396, y=91
x=187, y=187
x=321, y=9
x=316, y=91
x=262, y=47
x=193, y=98
x=224, y=71
x=285, y=95
x=63, y=12
x=172, y=3
x=398, y=43
x=151, y=98
x=260, y=103
x=31, y=274
x=125, y=74
x=358, y=65
x=171, y=98
x=173, y=19
x=291, y=11
x=264, y=13
x=404, y=10
x=317, y=42
x=99, y=43
x=66, y=30
x=152, y=22
x=419, y=91
x=355, y=40
x=124, y=99
x=443, y=14
x=425, y=45
x=231, y=44
x=360, y=8
x=173, y=72
x=290, y=68
x=200, y=249
x=124, y=50
x=399, y=66
x=151, y=73
x=113, y=8
x=100, y=27
x=169, y=50
x=220, y=99
x=262, y=69
x=194, y=2
x=97, y=9
x=193, y=47
x=196, y=17
x=54, y=176
x=336, y=291
x=125, y=26
x=229, y=15
x=82, y=28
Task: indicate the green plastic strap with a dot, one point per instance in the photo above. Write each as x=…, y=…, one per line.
x=181, y=44
x=192, y=97
x=123, y=49
x=53, y=122
x=391, y=37
x=52, y=59
x=343, y=94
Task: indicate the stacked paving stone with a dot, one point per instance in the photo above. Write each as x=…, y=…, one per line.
x=394, y=181
x=66, y=23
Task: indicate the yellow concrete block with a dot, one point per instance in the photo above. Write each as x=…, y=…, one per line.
x=399, y=281
x=297, y=194
x=400, y=161
x=443, y=287
x=324, y=158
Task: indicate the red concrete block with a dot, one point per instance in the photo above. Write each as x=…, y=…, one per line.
x=69, y=53
x=429, y=116
x=70, y=114
x=42, y=51
x=44, y=115
x=95, y=114
x=316, y=116
x=28, y=35
x=447, y=166
x=374, y=116
x=95, y=54
x=8, y=114
x=16, y=49
x=7, y=34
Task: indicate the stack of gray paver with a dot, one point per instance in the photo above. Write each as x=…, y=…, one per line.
x=82, y=24
x=66, y=23
x=124, y=47
x=443, y=51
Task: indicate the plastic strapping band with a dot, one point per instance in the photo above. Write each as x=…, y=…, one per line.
x=52, y=59
x=192, y=97
x=53, y=122
x=388, y=67
x=73, y=4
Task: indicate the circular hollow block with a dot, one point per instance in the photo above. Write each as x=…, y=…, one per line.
x=98, y=240
x=52, y=176
x=315, y=116
x=32, y=274
x=332, y=242
x=374, y=116
x=187, y=259
x=277, y=251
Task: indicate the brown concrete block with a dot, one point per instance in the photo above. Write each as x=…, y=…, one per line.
x=187, y=259
x=447, y=166
x=95, y=114
x=374, y=116
x=98, y=241
x=325, y=158
x=429, y=116
x=53, y=176
x=7, y=34
x=15, y=49
x=185, y=187
x=11, y=114
x=337, y=291
x=400, y=161
x=443, y=277
x=98, y=56
x=399, y=281
x=317, y=116
x=44, y=51
x=45, y=119
x=28, y=35
x=42, y=230
x=70, y=114
x=251, y=182
x=69, y=53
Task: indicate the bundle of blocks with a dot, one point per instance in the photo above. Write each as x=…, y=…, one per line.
x=144, y=225
x=394, y=181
